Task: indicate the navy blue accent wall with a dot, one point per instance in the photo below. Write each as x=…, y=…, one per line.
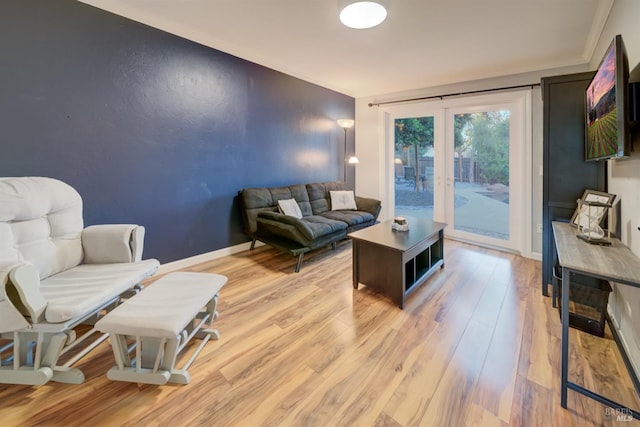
x=154, y=129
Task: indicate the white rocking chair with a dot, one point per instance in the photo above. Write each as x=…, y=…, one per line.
x=56, y=275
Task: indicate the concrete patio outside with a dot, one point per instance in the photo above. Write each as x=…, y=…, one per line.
x=478, y=209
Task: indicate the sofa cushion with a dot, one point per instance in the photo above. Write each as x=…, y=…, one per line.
x=299, y=192
x=321, y=225
x=351, y=218
x=256, y=200
x=302, y=230
x=319, y=196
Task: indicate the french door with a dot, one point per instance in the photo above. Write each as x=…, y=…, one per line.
x=417, y=154
x=464, y=162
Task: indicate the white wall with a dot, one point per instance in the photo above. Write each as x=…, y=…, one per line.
x=624, y=178
x=370, y=141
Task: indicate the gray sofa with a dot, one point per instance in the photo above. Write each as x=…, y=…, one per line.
x=319, y=226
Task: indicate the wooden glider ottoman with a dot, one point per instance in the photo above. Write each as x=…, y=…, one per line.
x=161, y=320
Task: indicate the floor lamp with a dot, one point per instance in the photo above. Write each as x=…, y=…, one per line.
x=346, y=124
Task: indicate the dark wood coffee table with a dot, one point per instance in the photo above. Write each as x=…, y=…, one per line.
x=397, y=262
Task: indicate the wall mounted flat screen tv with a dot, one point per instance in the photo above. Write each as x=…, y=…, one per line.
x=607, y=121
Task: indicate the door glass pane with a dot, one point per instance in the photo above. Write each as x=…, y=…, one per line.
x=481, y=173
x=413, y=167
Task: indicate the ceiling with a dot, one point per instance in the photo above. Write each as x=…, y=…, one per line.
x=422, y=43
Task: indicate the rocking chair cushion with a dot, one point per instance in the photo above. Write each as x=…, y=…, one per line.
x=85, y=288
x=41, y=220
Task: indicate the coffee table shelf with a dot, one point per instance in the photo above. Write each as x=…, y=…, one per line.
x=422, y=266
x=397, y=262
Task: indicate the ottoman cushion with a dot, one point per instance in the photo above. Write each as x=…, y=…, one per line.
x=165, y=307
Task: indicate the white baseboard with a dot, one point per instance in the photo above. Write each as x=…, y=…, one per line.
x=623, y=342
x=534, y=255
x=208, y=256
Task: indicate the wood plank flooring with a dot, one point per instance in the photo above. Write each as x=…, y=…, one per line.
x=477, y=345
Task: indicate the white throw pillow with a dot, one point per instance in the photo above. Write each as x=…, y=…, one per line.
x=342, y=200
x=290, y=207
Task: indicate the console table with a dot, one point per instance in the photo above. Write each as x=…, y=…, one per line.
x=615, y=263
x=397, y=262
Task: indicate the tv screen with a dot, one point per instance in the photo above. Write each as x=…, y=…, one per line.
x=607, y=124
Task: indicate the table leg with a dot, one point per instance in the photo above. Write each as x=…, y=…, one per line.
x=354, y=262
x=565, y=337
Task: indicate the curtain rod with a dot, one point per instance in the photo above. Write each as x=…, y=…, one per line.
x=424, y=98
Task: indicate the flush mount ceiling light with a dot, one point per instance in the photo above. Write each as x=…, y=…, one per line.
x=363, y=14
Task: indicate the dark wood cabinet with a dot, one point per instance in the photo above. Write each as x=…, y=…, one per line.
x=565, y=172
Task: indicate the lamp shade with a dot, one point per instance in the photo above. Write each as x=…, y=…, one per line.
x=346, y=123
x=363, y=14
x=353, y=160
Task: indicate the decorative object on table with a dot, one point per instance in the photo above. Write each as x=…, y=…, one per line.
x=400, y=224
x=591, y=214
x=588, y=217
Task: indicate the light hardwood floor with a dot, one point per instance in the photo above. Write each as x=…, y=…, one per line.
x=477, y=345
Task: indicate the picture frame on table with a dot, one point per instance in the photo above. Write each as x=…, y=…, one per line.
x=596, y=197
